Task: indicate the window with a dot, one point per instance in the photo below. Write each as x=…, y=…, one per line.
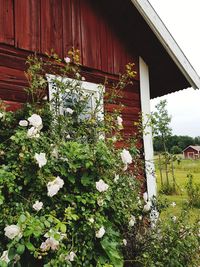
x=71, y=92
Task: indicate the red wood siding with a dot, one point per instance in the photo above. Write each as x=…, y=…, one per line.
x=191, y=153
x=93, y=27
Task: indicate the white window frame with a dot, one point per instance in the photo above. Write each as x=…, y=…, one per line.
x=95, y=90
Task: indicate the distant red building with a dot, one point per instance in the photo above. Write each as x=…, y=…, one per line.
x=191, y=152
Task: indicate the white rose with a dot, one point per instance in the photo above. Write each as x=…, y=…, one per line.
x=4, y=256
x=23, y=123
x=100, y=233
x=119, y=121
x=36, y=121
x=71, y=256
x=50, y=243
x=32, y=133
x=147, y=206
x=41, y=159
x=69, y=110
x=1, y=115
x=83, y=78
x=126, y=156
x=145, y=197
x=132, y=221
x=12, y=231
x=67, y=59
x=101, y=186
x=54, y=186
x=37, y=205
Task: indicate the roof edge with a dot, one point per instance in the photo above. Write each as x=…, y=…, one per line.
x=168, y=42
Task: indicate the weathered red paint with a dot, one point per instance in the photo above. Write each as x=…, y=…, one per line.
x=191, y=153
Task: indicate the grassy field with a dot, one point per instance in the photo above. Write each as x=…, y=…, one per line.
x=181, y=170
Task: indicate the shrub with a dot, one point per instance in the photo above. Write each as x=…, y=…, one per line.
x=193, y=192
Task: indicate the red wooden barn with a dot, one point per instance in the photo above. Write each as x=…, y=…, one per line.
x=108, y=34
x=191, y=152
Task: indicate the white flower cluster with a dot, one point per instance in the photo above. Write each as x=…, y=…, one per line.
x=37, y=205
x=126, y=158
x=12, y=231
x=100, y=233
x=132, y=221
x=40, y=159
x=101, y=186
x=54, y=186
x=50, y=243
x=70, y=256
x=36, y=122
x=119, y=122
x=4, y=256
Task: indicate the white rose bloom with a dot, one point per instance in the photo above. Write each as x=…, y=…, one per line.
x=50, y=243
x=68, y=136
x=132, y=221
x=147, y=206
x=124, y=242
x=101, y=186
x=71, y=256
x=41, y=159
x=83, y=78
x=54, y=186
x=67, y=59
x=69, y=110
x=37, y=205
x=32, y=132
x=12, y=231
x=36, y=121
x=119, y=121
x=100, y=233
x=4, y=256
x=23, y=123
x=1, y=115
x=145, y=197
x=126, y=158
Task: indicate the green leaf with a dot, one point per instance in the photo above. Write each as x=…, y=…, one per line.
x=86, y=180
x=30, y=246
x=63, y=228
x=11, y=253
x=22, y=218
x=20, y=249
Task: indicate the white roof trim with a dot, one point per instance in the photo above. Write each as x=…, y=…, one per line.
x=168, y=42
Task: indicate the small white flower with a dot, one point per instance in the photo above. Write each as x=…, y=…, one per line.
x=174, y=219
x=23, y=123
x=147, y=206
x=36, y=121
x=33, y=133
x=132, y=221
x=1, y=115
x=114, y=139
x=54, y=186
x=126, y=158
x=41, y=159
x=116, y=178
x=67, y=59
x=124, y=242
x=100, y=202
x=83, y=78
x=173, y=204
x=101, y=137
x=45, y=98
x=119, y=121
x=37, y=205
x=154, y=215
x=54, y=153
x=91, y=220
x=140, y=217
x=100, y=233
x=68, y=136
x=71, y=256
x=50, y=243
x=145, y=197
x=101, y=186
x=69, y=110
x=4, y=256
x=12, y=231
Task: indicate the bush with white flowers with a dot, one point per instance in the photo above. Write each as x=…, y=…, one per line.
x=67, y=196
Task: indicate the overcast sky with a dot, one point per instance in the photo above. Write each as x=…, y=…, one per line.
x=182, y=18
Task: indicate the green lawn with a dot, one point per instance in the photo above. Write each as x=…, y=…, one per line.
x=186, y=166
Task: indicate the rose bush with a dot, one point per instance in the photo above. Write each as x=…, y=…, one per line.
x=67, y=195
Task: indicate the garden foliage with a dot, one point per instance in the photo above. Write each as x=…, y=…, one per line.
x=68, y=197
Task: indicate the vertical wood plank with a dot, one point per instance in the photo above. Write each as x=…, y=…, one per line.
x=76, y=27
x=90, y=33
x=51, y=26
x=67, y=25
x=27, y=24
x=6, y=22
